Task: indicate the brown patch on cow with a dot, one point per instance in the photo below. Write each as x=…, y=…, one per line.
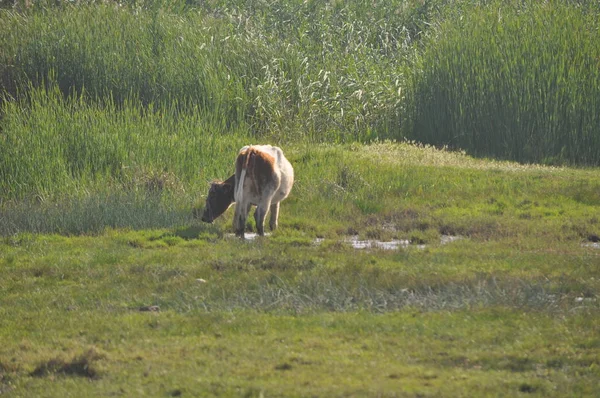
x=265, y=158
x=259, y=167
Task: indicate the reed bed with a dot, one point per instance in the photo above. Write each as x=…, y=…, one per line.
x=54, y=146
x=102, y=97
x=513, y=80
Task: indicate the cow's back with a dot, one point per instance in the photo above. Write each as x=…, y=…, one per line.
x=282, y=168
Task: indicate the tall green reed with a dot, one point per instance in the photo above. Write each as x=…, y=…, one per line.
x=286, y=70
x=115, y=52
x=55, y=146
x=516, y=80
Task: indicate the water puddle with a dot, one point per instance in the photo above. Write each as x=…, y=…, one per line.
x=393, y=244
x=593, y=245
x=360, y=244
x=377, y=244
x=445, y=239
x=250, y=236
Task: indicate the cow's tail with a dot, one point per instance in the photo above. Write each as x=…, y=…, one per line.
x=239, y=190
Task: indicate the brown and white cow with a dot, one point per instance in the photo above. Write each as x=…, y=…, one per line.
x=263, y=178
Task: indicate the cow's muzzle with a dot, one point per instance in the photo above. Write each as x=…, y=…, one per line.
x=207, y=215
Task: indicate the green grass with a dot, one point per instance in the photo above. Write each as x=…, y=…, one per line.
x=252, y=354
x=387, y=190
x=284, y=317
x=114, y=119
x=509, y=309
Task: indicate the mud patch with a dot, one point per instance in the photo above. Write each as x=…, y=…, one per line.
x=527, y=388
x=283, y=366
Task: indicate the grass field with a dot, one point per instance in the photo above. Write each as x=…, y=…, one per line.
x=403, y=120
x=510, y=308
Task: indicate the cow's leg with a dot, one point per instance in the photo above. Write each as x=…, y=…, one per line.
x=260, y=214
x=239, y=221
x=274, y=216
x=259, y=217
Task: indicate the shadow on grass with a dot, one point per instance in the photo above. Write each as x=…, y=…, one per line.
x=201, y=232
x=81, y=366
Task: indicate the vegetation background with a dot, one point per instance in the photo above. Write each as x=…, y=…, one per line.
x=111, y=95
x=405, y=120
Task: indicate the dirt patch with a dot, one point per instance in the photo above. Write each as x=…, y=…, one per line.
x=283, y=366
x=527, y=388
x=150, y=308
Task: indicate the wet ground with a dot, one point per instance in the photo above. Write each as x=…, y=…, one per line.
x=594, y=245
x=394, y=243
x=249, y=235
x=359, y=244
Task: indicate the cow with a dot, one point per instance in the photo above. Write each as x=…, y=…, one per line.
x=263, y=178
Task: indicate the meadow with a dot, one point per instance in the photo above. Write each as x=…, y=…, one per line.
x=510, y=308
x=465, y=130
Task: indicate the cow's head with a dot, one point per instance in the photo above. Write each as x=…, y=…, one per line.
x=220, y=197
